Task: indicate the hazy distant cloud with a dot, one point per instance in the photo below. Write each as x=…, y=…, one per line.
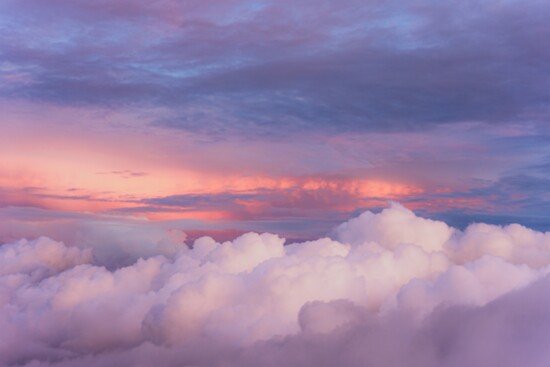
x=389, y=289
x=116, y=240
x=519, y=197
x=124, y=173
x=259, y=67
x=264, y=203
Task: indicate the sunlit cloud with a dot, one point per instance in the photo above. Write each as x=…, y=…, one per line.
x=402, y=287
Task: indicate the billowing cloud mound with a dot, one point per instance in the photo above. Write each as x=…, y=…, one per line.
x=390, y=289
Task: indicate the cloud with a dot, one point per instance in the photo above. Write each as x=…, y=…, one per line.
x=389, y=289
x=426, y=234
x=116, y=241
x=42, y=255
x=273, y=67
x=124, y=173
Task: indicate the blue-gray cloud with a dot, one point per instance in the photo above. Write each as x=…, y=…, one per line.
x=258, y=67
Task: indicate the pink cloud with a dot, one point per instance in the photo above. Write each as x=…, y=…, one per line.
x=390, y=288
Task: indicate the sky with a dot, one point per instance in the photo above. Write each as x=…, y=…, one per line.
x=303, y=183
x=238, y=115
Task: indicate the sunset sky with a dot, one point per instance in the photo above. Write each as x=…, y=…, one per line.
x=237, y=115
x=274, y=183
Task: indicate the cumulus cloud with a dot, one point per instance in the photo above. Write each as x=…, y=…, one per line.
x=389, y=289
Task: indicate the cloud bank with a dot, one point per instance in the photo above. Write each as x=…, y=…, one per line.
x=283, y=67
x=388, y=289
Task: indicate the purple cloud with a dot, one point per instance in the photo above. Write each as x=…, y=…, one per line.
x=257, y=67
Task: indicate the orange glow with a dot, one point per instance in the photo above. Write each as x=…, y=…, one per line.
x=198, y=215
x=103, y=174
x=90, y=186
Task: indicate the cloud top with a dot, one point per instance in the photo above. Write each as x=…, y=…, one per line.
x=390, y=289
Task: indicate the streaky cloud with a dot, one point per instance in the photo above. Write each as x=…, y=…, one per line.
x=279, y=68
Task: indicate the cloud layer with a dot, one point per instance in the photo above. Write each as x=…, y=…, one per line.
x=389, y=289
x=279, y=67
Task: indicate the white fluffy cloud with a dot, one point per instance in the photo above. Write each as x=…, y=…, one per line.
x=387, y=290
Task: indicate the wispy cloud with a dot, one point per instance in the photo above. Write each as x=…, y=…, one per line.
x=124, y=173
